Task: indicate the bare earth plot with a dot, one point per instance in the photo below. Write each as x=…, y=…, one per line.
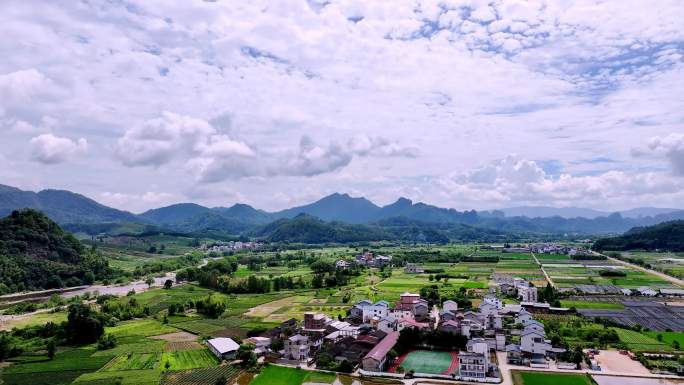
x=269, y=308
x=176, y=337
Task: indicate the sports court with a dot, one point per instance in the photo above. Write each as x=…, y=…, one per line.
x=425, y=361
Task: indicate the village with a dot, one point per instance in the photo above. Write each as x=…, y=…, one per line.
x=373, y=338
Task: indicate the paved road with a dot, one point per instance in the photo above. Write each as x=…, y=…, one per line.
x=664, y=276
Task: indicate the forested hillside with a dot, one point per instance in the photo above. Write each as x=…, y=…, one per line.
x=35, y=253
x=665, y=236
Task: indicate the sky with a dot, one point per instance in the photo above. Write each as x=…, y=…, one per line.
x=466, y=104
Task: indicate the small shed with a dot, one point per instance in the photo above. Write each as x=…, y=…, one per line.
x=223, y=347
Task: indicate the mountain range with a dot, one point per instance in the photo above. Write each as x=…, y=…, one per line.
x=76, y=211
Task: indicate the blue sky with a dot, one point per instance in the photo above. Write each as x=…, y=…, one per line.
x=464, y=104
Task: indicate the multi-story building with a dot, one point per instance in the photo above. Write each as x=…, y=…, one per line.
x=297, y=347
x=472, y=365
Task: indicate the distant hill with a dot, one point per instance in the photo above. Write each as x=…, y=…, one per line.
x=35, y=253
x=579, y=212
x=245, y=213
x=664, y=236
x=404, y=207
x=173, y=214
x=307, y=229
x=335, y=207
x=61, y=206
x=82, y=214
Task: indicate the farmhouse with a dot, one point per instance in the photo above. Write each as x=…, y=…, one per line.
x=261, y=344
x=412, y=268
x=412, y=303
x=297, y=347
x=376, y=359
x=223, y=347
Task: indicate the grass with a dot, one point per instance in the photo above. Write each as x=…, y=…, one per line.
x=640, y=342
x=189, y=359
x=133, y=361
x=145, y=345
x=545, y=378
x=668, y=337
x=422, y=361
x=592, y=305
x=127, y=377
x=201, y=376
x=75, y=359
x=42, y=378
x=279, y=375
x=140, y=328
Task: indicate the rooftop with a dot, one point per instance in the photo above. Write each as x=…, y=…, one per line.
x=223, y=344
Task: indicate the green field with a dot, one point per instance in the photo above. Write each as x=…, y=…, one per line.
x=592, y=305
x=278, y=375
x=539, y=378
x=640, y=342
x=133, y=361
x=668, y=337
x=423, y=361
x=189, y=359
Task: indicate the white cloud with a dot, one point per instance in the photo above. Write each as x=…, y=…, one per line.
x=172, y=136
x=672, y=146
x=514, y=181
x=459, y=83
x=51, y=149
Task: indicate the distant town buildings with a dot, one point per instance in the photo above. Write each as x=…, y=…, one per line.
x=221, y=247
x=370, y=259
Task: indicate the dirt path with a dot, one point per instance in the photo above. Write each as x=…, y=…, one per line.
x=548, y=279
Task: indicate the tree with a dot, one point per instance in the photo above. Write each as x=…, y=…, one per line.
x=167, y=284
x=106, y=341
x=345, y=367
x=221, y=380
x=83, y=325
x=246, y=354
x=51, y=348
x=149, y=281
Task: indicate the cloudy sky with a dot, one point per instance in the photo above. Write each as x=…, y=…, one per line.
x=461, y=103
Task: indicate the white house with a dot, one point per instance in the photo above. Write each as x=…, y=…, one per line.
x=261, y=344
x=450, y=305
x=297, y=347
x=534, y=325
x=523, y=317
x=492, y=300
x=366, y=310
x=473, y=365
x=527, y=293
x=223, y=347
x=534, y=342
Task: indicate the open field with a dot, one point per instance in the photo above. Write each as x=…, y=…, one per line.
x=278, y=375
x=592, y=304
x=641, y=342
x=668, y=337
x=189, y=359
x=201, y=376
x=133, y=361
x=546, y=378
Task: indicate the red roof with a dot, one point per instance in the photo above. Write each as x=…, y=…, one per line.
x=380, y=350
